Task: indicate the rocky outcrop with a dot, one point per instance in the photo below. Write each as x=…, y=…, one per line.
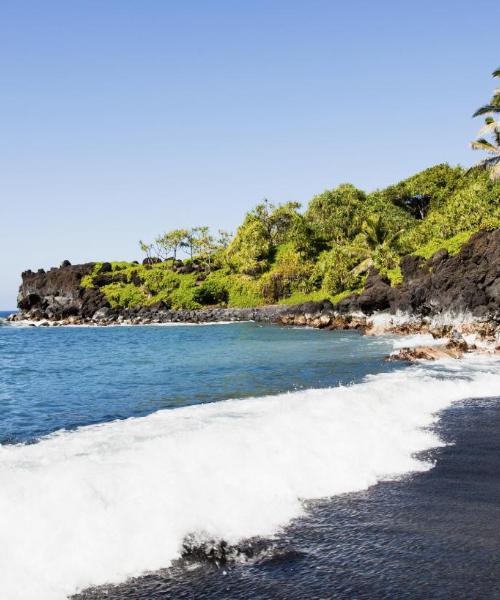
x=456, y=347
x=57, y=294
x=468, y=282
x=426, y=353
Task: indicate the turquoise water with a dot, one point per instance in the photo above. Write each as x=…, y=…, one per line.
x=62, y=378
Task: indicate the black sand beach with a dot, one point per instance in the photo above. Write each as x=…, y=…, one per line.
x=431, y=535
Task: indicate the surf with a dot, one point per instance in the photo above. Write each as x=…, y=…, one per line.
x=110, y=501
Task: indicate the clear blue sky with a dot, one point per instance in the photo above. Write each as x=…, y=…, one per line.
x=122, y=119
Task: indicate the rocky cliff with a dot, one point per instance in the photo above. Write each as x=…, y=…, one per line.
x=468, y=282
x=57, y=294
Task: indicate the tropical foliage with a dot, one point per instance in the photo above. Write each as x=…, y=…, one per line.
x=286, y=254
x=489, y=134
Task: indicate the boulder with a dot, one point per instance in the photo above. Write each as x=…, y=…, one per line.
x=101, y=313
x=377, y=294
x=151, y=260
x=185, y=269
x=412, y=267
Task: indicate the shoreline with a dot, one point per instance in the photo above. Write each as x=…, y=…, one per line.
x=447, y=296
x=458, y=334
x=369, y=425
x=387, y=531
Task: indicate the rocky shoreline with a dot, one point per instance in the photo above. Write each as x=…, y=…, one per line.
x=444, y=296
x=457, y=336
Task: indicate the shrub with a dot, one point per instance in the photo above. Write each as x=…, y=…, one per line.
x=334, y=270
x=124, y=295
x=290, y=273
x=214, y=290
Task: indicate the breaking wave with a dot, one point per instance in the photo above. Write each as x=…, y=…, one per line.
x=106, y=502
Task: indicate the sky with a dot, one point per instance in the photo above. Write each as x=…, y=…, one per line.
x=121, y=120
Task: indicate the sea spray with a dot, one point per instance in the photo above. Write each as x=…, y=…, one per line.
x=106, y=502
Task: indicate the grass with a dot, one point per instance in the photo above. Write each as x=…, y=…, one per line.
x=395, y=276
x=318, y=296
x=453, y=245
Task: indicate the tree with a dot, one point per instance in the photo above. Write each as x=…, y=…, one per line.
x=161, y=247
x=147, y=249
x=276, y=221
x=491, y=129
x=377, y=248
x=376, y=233
x=191, y=240
x=249, y=251
x=224, y=239
x=336, y=215
x=206, y=246
x=168, y=244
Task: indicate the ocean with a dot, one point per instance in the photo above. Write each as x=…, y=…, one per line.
x=243, y=461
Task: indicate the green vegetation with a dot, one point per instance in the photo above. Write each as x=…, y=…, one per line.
x=286, y=255
x=281, y=254
x=453, y=245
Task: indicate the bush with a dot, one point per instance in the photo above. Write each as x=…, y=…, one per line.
x=290, y=273
x=214, y=290
x=427, y=189
x=124, y=295
x=474, y=205
x=243, y=292
x=334, y=270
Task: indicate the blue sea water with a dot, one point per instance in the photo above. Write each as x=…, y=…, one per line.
x=62, y=378
x=121, y=447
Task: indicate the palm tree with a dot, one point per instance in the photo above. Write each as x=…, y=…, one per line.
x=378, y=239
x=376, y=233
x=491, y=129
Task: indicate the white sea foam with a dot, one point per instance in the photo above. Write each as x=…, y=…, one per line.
x=442, y=318
x=57, y=325
x=418, y=339
x=106, y=502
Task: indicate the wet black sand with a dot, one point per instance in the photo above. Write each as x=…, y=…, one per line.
x=434, y=535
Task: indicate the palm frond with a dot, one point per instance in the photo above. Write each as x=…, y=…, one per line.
x=489, y=128
x=486, y=109
x=496, y=73
x=483, y=144
x=488, y=164
x=363, y=267
x=389, y=241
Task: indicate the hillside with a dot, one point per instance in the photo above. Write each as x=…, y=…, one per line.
x=281, y=255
